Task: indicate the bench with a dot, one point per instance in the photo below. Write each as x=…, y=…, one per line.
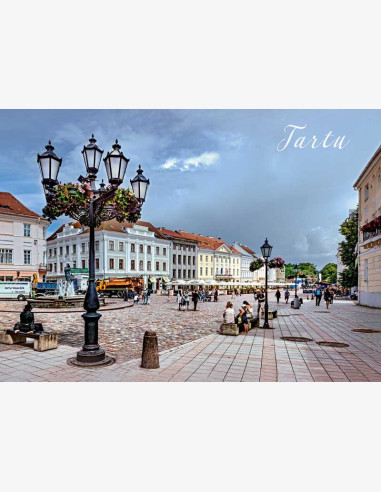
x=272, y=314
x=233, y=328
x=42, y=341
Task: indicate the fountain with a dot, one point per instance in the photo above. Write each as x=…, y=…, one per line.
x=66, y=288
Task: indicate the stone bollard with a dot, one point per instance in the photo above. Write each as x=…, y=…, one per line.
x=150, y=354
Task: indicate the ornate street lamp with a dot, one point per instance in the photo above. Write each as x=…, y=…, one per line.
x=116, y=165
x=49, y=167
x=140, y=185
x=91, y=207
x=266, y=249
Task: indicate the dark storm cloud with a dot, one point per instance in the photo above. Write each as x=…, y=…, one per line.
x=215, y=172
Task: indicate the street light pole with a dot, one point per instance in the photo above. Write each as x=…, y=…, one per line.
x=99, y=206
x=266, y=249
x=296, y=279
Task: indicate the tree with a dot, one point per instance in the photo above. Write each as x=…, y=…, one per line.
x=304, y=269
x=347, y=250
x=329, y=272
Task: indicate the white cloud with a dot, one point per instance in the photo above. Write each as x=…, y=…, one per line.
x=206, y=159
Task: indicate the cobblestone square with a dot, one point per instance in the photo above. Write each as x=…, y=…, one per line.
x=192, y=350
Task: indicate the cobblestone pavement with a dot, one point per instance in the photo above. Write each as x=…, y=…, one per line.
x=259, y=356
x=121, y=331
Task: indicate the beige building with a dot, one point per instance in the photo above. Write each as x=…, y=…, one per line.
x=22, y=241
x=369, y=237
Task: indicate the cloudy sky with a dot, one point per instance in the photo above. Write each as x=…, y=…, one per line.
x=215, y=172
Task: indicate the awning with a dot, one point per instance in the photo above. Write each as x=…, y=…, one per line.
x=166, y=280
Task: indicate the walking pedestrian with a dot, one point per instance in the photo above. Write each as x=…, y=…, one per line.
x=261, y=300
x=318, y=295
x=287, y=296
x=148, y=298
x=144, y=296
x=186, y=300
x=277, y=295
x=327, y=297
x=216, y=295
x=195, y=300
x=179, y=299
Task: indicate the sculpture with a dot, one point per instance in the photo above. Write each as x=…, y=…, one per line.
x=27, y=323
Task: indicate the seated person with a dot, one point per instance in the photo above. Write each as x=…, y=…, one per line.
x=27, y=323
x=241, y=321
x=249, y=308
x=229, y=313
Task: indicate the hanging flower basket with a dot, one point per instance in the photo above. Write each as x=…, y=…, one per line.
x=277, y=262
x=73, y=200
x=256, y=264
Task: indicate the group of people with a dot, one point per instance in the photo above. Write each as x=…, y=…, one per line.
x=245, y=312
x=184, y=296
x=328, y=295
x=136, y=296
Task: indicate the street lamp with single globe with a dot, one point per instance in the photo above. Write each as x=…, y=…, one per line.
x=100, y=206
x=296, y=279
x=140, y=185
x=266, y=249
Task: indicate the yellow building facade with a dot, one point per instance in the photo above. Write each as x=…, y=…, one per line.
x=369, y=237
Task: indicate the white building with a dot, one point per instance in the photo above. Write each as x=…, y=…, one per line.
x=121, y=250
x=22, y=241
x=248, y=255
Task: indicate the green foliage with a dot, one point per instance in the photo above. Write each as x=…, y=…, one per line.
x=347, y=250
x=304, y=269
x=329, y=272
x=256, y=264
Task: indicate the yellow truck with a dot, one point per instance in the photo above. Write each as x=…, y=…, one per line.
x=117, y=286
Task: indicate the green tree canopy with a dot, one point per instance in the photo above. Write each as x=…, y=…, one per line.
x=303, y=269
x=329, y=272
x=347, y=250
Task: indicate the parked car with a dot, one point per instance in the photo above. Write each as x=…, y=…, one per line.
x=15, y=290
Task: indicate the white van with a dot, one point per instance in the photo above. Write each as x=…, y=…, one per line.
x=15, y=290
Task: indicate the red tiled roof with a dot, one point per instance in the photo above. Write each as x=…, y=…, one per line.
x=10, y=205
x=248, y=250
x=208, y=242
x=110, y=225
x=174, y=234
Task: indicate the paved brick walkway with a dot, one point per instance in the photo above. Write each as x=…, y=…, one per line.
x=259, y=356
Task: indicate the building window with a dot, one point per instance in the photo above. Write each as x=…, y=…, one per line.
x=211, y=271
x=121, y=246
x=179, y=259
x=174, y=273
x=111, y=245
x=149, y=268
x=206, y=258
x=141, y=249
x=83, y=263
x=27, y=257
x=206, y=271
x=132, y=264
x=132, y=247
x=366, y=192
x=27, y=230
x=157, y=266
x=157, y=250
x=96, y=245
x=83, y=247
x=189, y=260
x=67, y=250
x=6, y=255
x=178, y=273
x=61, y=266
x=184, y=274
x=189, y=274
x=194, y=274
x=50, y=252
x=194, y=260
x=111, y=263
x=61, y=251
x=55, y=267
x=141, y=267
x=96, y=263
x=121, y=263
x=365, y=270
x=164, y=251
x=75, y=264
x=164, y=266
x=200, y=270
x=149, y=250
x=74, y=249
x=174, y=259
x=200, y=257
x=184, y=260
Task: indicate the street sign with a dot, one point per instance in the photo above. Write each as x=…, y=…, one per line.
x=79, y=270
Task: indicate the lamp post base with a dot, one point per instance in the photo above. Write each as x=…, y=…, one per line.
x=266, y=326
x=91, y=358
